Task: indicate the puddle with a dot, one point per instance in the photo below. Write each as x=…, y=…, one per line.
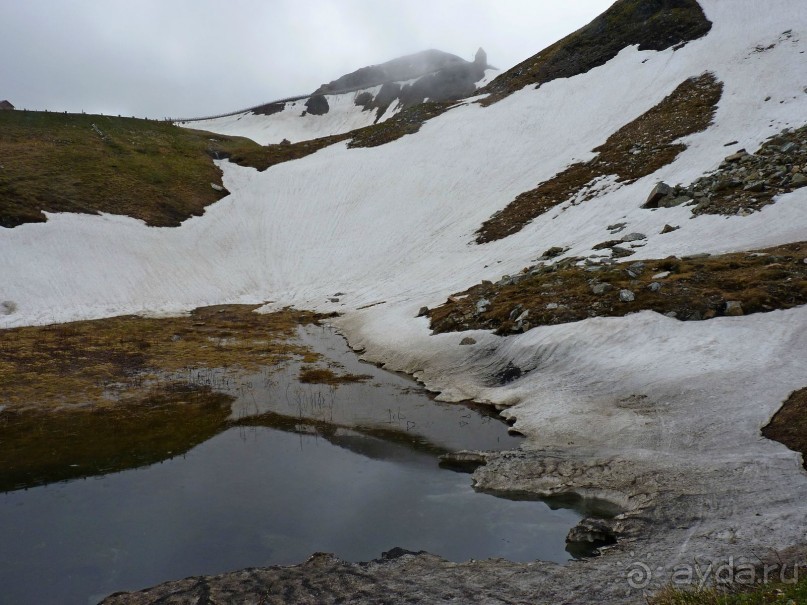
x=292, y=469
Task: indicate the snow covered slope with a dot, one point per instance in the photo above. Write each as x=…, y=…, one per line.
x=393, y=226
x=294, y=123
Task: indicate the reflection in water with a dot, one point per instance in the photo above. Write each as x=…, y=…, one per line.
x=292, y=469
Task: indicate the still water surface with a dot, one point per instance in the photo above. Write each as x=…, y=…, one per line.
x=350, y=470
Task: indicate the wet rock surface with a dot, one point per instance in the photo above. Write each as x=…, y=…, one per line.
x=652, y=523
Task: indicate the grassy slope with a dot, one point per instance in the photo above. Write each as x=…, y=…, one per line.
x=149, y=170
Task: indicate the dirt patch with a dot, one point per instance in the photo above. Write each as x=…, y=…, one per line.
x=692, y=288
x=636, y=150
x=789, y=425
x=650, y=24
x=105, y=363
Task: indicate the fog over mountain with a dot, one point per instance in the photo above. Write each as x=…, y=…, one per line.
x=198, y=57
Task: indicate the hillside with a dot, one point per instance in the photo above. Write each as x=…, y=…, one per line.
x=367, y=96
x=615, y=259
x=153, y=171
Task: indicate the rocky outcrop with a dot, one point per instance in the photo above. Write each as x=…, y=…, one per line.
x=397, y=70
x=317, y=105
x=650, y=24
x=744, y=182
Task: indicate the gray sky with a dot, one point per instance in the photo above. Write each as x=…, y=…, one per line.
x=186, y=58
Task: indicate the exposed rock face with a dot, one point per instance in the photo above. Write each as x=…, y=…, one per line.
x=650, y=24
x=317, y=105
x=270, y=108
x=439, y=77
x=403, y=68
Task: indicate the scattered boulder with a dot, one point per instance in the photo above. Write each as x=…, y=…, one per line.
x=669, y=229
x=799, y=180
x=660, y=191
x=736, y=157
x=633, y=237
x=654, y=286
x=482, y=305
x=626, y=296
x=734, y=308
x=601, y=288
x=468, y=341
x=554, y=252
x=216, y=187
x=423, y=312
x=516, y=312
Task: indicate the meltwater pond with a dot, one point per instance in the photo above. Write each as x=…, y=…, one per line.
x=350, y=470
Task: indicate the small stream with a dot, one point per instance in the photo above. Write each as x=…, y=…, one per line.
x=294, y=469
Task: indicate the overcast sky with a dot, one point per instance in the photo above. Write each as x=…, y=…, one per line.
x=187, y=58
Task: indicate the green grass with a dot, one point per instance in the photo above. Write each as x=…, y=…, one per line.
x=781, y=593
x=150, y=170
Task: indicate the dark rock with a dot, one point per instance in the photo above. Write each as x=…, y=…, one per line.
x=364, y=99
x=736, y=157
x=633, y=237
x=609, y=244
x=798, y=180
x=669, y=229
x=270, y=108
x=593, y=531
x=619, y=252
x=508, y=374
x=464, y=461
x=423, y=312
x=317, y=105
x=554, y=252
x=468, y=341
x=660, y=191
x=626, y=296
x=601, y=288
